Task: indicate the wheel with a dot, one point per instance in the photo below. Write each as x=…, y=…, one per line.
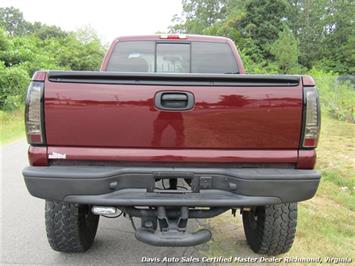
x=271, y=229
x=70, y=227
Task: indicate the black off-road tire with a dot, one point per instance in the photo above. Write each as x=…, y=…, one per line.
x=70, y=227
x=271, y=229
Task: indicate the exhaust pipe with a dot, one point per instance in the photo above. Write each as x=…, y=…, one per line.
x=105, y=211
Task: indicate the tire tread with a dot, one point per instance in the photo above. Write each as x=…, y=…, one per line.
x=275, y=231
x=66, y=227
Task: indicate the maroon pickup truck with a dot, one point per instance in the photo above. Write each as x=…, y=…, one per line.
x=171, y=128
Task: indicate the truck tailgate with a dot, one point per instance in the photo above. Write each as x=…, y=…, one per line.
x=118, y=110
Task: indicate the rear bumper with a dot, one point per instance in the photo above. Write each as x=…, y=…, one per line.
x=134, y=186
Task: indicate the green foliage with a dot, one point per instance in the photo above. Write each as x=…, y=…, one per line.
x=337, y=97
x=44, y=31
x=262, y=23
x=285, y=50
x=4, y=43
x=338, y=46
x=13, y=84
x=323, y=30
x=198, y=15
x=11, y=19
x=27, y=47
x=82, y=51
x=256, y=68
x=307, y=22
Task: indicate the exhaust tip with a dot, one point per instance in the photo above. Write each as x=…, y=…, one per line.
x=104, y=211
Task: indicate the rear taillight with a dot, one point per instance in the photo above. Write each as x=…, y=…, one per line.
x=311, y=118
x=34, y=113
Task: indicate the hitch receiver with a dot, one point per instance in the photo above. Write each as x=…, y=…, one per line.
x=172, y=231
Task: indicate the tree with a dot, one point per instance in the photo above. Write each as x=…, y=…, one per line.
x=11, y=19
x=28, y=47
x=44, y=31
x=86, y=35
x=338, y=45
x=4, y=42
x=262, y=23
x=13, y=84
x=198, y=15
x=285, y=51
x=324, y=29
x=254, y=25
x=307, y=22
x=78, y=52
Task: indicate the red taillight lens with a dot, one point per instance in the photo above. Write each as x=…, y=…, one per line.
x=311, y=117
x=34, y=113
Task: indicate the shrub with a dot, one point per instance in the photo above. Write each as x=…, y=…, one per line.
x=13, y=85
x=13, y=102
x=336, y=97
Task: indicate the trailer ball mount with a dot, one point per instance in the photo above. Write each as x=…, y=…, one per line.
x=172, y=231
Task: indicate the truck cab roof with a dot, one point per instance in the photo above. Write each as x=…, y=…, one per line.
x=177, y=37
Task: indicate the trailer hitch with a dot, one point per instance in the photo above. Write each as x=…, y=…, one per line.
x=172, y=230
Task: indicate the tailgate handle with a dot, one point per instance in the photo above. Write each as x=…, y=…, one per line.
x=174, y=101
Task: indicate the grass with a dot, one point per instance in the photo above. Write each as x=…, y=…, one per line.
x=336, y=159
x=12, y=126
x=326, y=223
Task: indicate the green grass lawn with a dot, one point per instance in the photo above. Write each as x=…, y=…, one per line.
x=11, y=126
x=326, y=223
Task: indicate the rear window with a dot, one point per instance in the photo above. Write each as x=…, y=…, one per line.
x=133, y=57
x=173, y=57
x=168, y=57
x=212, y=58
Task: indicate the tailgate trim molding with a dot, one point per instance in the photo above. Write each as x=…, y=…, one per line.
x=176, y=155
x=138, y=78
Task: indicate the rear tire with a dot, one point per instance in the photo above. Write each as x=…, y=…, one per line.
x=271, y=229
x=70, y=227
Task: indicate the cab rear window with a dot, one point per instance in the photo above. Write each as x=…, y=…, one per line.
x=170, y=57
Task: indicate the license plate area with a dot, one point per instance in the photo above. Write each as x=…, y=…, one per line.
x=175, y=183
